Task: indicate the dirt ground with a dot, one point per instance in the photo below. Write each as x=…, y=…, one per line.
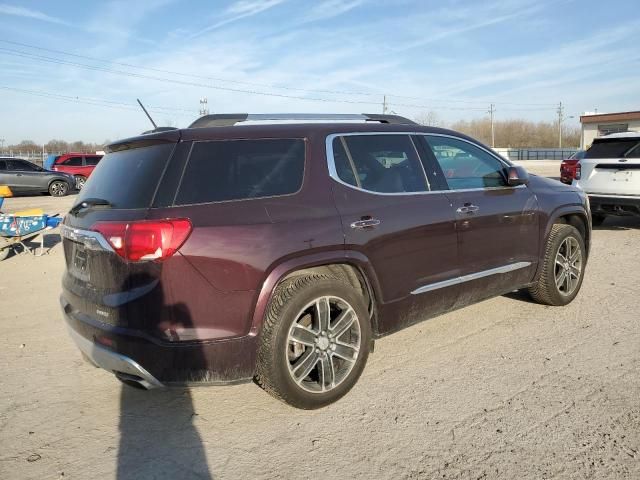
x=503, y=389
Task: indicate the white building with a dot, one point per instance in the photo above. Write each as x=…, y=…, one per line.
x=598, y=124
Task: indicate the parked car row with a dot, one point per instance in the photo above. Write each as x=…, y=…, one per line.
x=67, y=172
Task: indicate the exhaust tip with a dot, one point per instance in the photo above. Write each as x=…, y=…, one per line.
x=133, y=381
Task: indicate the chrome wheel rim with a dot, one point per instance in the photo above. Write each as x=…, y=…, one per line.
x=323, y=344
x=58, y=189
x=568, y=266
x=80, y=181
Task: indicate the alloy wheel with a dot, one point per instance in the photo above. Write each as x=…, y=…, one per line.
x=568, y=266
x=58, y=189
x=323, y=344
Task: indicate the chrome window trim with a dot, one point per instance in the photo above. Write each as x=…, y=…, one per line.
x=89, y=238
x=334, y=174
x=469, y=277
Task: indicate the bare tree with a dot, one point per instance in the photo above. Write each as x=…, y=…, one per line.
x=429, y=118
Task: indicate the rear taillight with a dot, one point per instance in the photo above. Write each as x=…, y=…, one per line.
x=145, y=240
x=578, y=172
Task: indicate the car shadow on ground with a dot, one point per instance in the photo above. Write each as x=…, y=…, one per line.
x=619, y=223
x=520, y=295
x=158, y=438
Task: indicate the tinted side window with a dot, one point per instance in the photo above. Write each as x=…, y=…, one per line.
x=610, y=148
x=384, y=163
x=3, y=165
x=92, y=160
x=240, y=169
x=73, y=162
x=465, y=165
x=20, y=166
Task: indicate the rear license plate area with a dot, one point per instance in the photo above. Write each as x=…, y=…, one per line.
x=79, y=262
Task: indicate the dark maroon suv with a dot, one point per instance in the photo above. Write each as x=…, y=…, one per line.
x=278, y=252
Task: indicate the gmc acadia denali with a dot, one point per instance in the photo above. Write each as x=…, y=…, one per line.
x=236, y=250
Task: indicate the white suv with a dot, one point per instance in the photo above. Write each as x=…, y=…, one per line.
x=610, y=175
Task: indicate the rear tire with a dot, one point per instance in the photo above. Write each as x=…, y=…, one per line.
x=562, y=267
x=331, y=322
x=58, y=188
x=597, y=220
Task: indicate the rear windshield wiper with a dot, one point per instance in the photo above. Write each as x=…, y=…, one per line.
x=90, y=202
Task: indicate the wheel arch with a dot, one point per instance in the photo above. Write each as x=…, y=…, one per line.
x=575, y=217
x=352, y=267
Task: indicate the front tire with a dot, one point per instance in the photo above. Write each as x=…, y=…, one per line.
x=315, y=341
x=80, y=181
x=58, y=188
x=4, y=253
x=562, y=267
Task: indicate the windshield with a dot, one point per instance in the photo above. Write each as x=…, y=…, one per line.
x=128, y=178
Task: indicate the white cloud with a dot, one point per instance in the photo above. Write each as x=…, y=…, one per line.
x=330, y=9
x=239, y=10
x=28, y=13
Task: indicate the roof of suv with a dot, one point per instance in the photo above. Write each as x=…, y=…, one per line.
x=230, y=127
x=620, y=135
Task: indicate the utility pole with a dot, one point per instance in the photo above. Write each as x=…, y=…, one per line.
x=204, y=108
x=384, y=105
x=560, y=119
x=492, y=110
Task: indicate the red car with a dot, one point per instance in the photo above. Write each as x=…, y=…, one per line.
x=568, y=167
x=80, y=165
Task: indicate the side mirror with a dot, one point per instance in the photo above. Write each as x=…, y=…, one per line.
x=517, y=175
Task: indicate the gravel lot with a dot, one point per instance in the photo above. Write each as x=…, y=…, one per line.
x=503, y=389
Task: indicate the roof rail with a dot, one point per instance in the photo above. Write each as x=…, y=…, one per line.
x=230, y=119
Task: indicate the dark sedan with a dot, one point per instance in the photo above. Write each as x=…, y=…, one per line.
x=26, y=177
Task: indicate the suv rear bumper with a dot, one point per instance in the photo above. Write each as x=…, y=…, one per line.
x=614, y=205
x=136, y=357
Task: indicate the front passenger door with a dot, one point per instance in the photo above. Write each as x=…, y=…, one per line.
x=497, y=224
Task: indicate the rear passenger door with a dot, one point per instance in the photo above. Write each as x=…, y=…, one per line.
x=497, y=225
x=390, y=215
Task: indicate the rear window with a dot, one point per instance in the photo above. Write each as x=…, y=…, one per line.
x=241, y=169
x=92, y=160
x=128, y=178
x=610, y=148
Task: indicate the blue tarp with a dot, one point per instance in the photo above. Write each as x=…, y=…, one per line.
x=48, y=162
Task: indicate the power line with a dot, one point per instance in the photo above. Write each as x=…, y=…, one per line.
x=88, y=101
x=255, y=84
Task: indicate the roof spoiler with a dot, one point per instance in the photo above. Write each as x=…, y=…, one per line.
x=230, y=119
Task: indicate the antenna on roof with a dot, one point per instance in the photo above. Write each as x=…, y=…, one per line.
x=147, y=114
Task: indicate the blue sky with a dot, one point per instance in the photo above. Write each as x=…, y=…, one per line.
x=450, y=57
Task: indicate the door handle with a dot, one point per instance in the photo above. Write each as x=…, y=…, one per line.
x=18, y=174
x=468, y=208
x=366, y=223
